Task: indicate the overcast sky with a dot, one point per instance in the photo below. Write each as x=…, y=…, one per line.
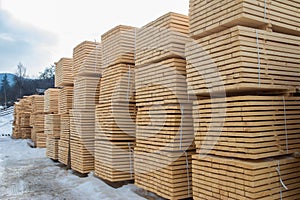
x=38, y=33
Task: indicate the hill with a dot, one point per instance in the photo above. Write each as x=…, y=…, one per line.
x=10, y=78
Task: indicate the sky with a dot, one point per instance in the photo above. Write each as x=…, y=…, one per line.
x=38, y=33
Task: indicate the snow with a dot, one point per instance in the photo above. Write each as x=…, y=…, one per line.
x=26, y=173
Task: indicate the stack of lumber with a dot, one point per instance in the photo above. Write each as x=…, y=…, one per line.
x=164, y=133
x=118, y=45
x=16, y=123
x=242, y=59
x=243, y=52
x=37, y=122
x=114, y=160
x=115, y=124
x=115, y=112
x=87, y=59
x=52, y=130
x=65, y=105
x=168, y=174
x=161, y=39
x=52, y=122
x=25, y=111
x=87, y=74
x=222, y=178
x=209, y=17
x=64, y=72
x=51, y=100
x=64, y=78
x=253, y=127
x=82, y=130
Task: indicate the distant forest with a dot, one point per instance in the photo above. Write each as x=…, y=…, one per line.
x=22, y=85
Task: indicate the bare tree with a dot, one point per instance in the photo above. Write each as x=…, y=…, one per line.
x=20, y=78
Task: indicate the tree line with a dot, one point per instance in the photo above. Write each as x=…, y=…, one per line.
x=25, y=86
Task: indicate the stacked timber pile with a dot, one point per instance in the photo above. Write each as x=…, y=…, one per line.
x=164, y=132
x=115, y=112
x=21, y=125
x=25, y=111
x=37, y=122
x=52, y=122
x=64, y=79
x=64, y=72
x=16, y=123
x=65, y=105
x=87, y=73
x=246, y=140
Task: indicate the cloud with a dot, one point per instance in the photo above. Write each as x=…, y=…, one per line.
x=24, y=43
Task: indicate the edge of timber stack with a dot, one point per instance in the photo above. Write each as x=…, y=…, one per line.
x=164, y=133
x=115, y=113
x=87, y=70
x=64, y=72
x=21, y=125
x=245, y=55
x=52, y=122
x=66, y=96
x=16, y=132
x=209, y=17
x=25, y=113
x=65, y=67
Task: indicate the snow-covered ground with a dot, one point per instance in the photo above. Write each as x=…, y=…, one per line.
x=26, y=173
